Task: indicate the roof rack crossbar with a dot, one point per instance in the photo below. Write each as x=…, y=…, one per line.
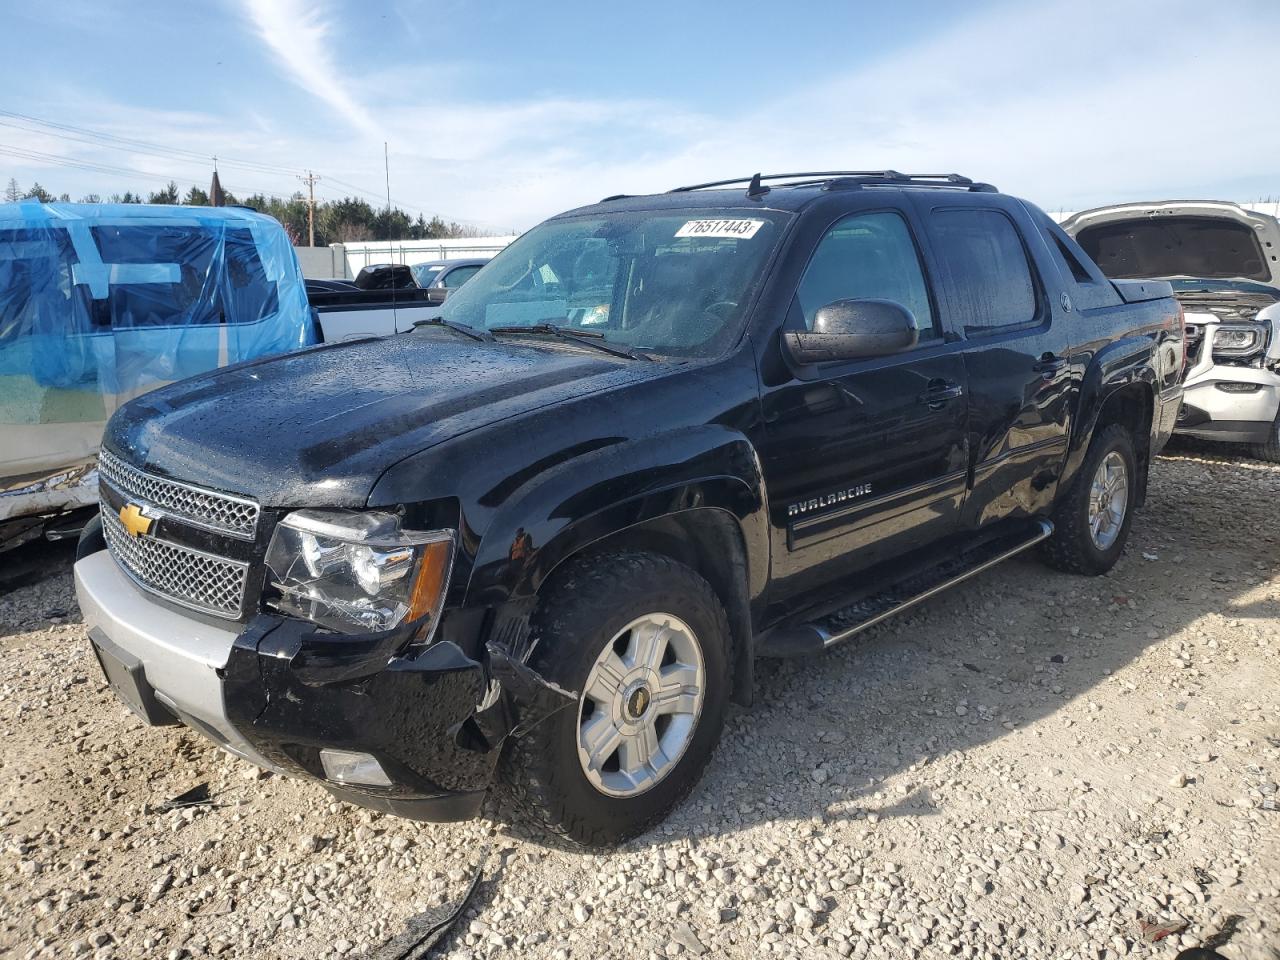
x=851, y=178
x=778, y=176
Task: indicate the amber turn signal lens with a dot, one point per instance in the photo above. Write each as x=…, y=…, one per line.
x=433, y=578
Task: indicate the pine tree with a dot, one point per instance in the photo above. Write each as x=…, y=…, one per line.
x=168, y=195
x=13, y=192
x=38, y=192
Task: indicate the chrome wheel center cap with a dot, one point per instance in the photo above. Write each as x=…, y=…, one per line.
x=637, y=702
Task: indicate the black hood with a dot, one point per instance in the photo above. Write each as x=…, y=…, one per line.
x=322, y=425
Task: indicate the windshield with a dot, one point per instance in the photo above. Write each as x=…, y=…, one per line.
x=426, y=273
x=665, y=283
x=1210, y=247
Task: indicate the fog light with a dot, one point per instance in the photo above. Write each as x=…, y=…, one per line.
x=347, y=766
x=1239, y=387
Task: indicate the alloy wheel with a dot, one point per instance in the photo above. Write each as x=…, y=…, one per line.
x=1108, y=500
x=640, y=705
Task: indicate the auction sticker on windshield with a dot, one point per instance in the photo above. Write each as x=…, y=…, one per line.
x=738, y=229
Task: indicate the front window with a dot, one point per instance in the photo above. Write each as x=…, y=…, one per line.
x=674, y=284
x=867, y=256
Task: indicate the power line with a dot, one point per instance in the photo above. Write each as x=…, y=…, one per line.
x=83, y=135
x=142, y=146
x=135, y=150
x=107, y=169
x=78, y=134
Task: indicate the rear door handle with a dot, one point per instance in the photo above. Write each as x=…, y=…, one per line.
x=940, y=391
x=1050, y=365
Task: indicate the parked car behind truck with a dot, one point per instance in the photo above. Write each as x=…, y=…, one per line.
x=543, y=539
x=101, y=302
x=447, y=274
x=1224, y=264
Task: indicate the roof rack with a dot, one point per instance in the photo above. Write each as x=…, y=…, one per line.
x=846, y=180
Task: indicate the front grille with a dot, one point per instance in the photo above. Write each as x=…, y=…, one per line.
x=188, y=577
x=220, y=512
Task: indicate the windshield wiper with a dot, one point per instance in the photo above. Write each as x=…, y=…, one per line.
x=589, y=338
x=482, y=335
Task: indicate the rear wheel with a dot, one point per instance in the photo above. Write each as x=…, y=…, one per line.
x=1091, y=522
x=1270, y=449
x=645, y=643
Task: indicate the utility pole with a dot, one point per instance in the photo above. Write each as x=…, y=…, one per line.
x=310, y=180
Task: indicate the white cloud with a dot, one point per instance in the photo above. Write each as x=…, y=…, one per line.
x=298, y=34
x=1065, y=102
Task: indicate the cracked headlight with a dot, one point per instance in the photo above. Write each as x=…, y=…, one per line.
x=357, y=571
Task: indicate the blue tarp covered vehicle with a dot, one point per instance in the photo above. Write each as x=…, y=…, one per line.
x=102, y=302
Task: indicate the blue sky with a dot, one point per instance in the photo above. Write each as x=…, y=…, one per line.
x=502, y=113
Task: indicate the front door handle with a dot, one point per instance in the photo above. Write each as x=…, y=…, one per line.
x=1050, y=365
x=940, y=391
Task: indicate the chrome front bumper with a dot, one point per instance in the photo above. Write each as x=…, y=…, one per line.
x=181, y=656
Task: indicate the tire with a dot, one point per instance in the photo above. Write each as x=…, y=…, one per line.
x=91, y=539
x=1073, y=547
x=588, y=608
x=1270, y=450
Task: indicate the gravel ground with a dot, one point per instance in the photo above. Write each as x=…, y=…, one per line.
x=1029, y=766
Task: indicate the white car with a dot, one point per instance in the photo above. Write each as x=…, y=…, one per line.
x=1224, y=264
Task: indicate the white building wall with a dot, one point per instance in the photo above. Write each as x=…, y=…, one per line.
x=356, y=256
x=348, y=259
x=318, y=262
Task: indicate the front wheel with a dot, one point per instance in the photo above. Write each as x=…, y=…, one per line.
x=1269, y=450
x=644, y=641
x=1091, y=521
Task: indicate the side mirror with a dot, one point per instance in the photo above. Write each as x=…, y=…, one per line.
x=849, y=329
x=437, y=295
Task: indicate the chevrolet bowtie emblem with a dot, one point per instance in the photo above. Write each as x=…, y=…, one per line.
x=135, y=521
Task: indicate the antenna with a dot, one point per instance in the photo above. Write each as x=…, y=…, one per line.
x=386, y=165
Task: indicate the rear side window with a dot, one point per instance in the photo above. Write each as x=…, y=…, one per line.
x=987, y=270
x=1078, y=273
x=1091, y=288
x=867, y=256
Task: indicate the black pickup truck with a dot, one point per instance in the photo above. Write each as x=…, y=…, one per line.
x=541, y=539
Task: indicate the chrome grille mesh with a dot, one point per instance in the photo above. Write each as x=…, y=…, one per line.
x=189, y=577
x=205, y=508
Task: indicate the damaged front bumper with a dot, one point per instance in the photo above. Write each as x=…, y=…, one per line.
x=426, y=722
x=1232, y=404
